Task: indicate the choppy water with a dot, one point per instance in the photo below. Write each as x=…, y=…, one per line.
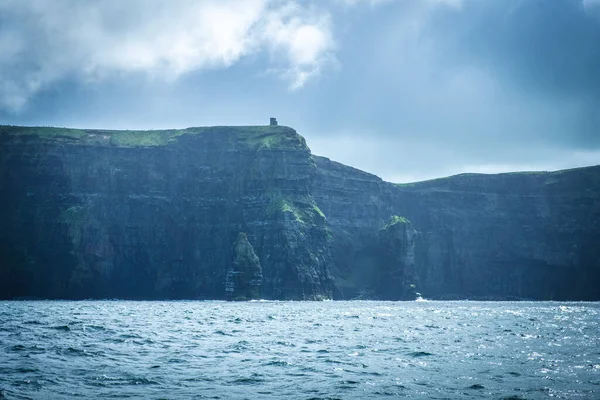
x=299, y=350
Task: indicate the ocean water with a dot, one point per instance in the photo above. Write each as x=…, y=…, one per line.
x=299, y=350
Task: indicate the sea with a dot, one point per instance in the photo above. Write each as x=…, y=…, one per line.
x=299, y=350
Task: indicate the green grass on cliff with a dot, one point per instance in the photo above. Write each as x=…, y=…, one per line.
x=581, y=180
x=304, y=211
x=144, y=138
x=267, y=137
x=318, y=211
x=95, y=137
x=395, y=220
x=46, y=133
x=285, y=205
x=255, y=137
x=478, y=177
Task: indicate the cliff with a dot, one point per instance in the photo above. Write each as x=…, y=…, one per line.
x=247, y=212
x=156, y=214
x=506, y=236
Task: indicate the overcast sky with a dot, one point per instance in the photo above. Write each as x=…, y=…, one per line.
x=405, y=89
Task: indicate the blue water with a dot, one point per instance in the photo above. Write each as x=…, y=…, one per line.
x=299, y=350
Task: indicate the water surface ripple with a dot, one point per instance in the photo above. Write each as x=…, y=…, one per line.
x=299, y=350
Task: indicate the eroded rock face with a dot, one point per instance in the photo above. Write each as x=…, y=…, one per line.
x=505, y=236
x=103, y=214
x=396, y=277
x=522, y=235
x=357, y=205
x=244, y=278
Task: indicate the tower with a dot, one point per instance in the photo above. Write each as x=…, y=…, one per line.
x=273, y=122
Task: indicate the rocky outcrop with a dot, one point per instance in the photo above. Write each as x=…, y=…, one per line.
x=357, y=204
x=244, y=278
x=396, y=277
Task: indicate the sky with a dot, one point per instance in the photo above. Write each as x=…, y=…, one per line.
x=405, y=89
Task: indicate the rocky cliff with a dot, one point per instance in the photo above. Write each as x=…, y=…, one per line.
x=244, y=277
x=506, y=236
x=246, y=212
x=156, y=214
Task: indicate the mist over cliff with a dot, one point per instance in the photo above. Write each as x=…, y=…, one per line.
x=247, y=212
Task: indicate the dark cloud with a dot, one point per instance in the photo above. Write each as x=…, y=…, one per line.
x=545, y=50
x=551, y=47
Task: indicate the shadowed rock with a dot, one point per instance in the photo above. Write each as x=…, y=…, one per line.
x=244, y=278
x=526, y=235
x=154, y=214
x=396, y=276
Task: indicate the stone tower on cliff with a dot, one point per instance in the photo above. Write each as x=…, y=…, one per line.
x=273, y=121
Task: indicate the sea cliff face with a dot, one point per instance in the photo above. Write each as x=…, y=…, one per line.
x=103, y=214
x=505, y=236
x=246, y=212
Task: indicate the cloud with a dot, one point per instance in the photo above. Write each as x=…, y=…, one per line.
x=591, y=5
x=303, y=38
x=547, y=47
x=373, y=3
x=407, y=89
x=43, y=42
x=431, y=89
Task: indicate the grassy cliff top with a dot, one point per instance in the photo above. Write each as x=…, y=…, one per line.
x=259, y=137
x=582, y=179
